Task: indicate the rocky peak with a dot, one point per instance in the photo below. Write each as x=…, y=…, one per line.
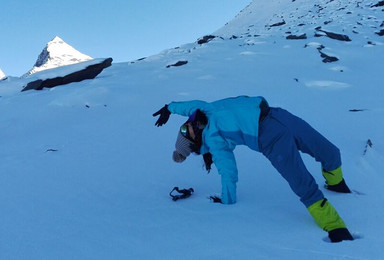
x=2, y=75
x=57, y=53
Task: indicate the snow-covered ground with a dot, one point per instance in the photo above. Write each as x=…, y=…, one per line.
x=85, y=174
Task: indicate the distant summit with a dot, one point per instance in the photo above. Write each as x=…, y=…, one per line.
x=2, y=75
x=57, y=53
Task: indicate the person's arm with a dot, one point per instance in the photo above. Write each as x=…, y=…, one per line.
x=186, y=108
x=180, y=108
x=226, y=166
x=225, y=162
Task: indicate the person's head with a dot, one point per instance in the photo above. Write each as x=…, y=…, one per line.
x=189, y=137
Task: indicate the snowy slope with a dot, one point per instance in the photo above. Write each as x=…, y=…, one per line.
x=57, y=53
x=85, y=174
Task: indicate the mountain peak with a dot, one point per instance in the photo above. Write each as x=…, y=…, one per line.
x=57, y=39
x=2, y=75
x=57, y=53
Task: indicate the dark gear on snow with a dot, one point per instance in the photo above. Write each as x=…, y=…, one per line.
x=340, y=187
x=215, y=199
x=340, y=234
x=164, y=116
x=184, y=193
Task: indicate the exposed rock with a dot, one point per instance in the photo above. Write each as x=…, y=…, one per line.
x=368, y=145
x=177, y=64
x=327, y=58
x=206, y=39
x=89, y=72
x=296, y=37
x=381, y=3
x=335, y=36
x=356, y=110
x=277, y=24
x=381, y=33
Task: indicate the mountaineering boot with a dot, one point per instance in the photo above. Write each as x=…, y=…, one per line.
x=339, y=234
x=334, y=181
x=341, y=187
x=329, y=220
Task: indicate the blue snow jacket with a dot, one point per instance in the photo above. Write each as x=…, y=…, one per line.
x=231, y=122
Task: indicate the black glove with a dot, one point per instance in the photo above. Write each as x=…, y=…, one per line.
x=339, y=234
x=215, y=199
x=164, y=116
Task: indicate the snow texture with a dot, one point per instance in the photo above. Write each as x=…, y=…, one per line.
x=85, y=174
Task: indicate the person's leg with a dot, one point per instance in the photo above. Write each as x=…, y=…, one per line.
x=277, y=143
x=310, y=141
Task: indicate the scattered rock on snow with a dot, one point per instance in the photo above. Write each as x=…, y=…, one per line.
x=177, y=64
x=327, y=58
x=356, y=110
x=335, y=36
x=206, y=39
x=369, y=144
x=277, y=24
x=51, y=150
x=381, y=33
x=381, y=3
x=297, y=37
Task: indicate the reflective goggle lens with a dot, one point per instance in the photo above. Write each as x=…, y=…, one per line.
x=184, y=130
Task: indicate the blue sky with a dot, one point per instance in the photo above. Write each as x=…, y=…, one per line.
x=122, y=29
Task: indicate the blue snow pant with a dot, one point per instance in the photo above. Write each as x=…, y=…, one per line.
x=281, y=137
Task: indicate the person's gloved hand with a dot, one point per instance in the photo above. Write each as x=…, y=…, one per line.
x=339, y=234
x=164, y=116
x=215, y=199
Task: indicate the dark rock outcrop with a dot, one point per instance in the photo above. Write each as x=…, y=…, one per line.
x=277, y=24
x=297, y=37
x=381, y=33
x=335, y=36
x=206, y=39
x=177, y=64
x=327, y=58
x=381, y=3
x=89, y=72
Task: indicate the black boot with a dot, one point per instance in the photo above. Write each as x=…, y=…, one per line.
x=339, y=234
x=340, y=187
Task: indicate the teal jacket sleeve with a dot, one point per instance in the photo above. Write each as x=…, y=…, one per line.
x=227, y=169
x=225, y=162
x=186, y=108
